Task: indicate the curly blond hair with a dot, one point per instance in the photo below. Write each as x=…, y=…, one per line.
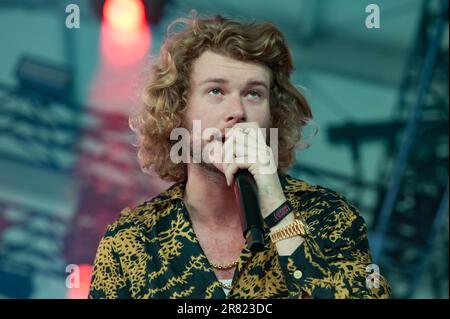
x=166, y=92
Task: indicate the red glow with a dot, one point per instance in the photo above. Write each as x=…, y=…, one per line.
x=124, y=15
x=81, y=291
x=123, y=50
x=125, y=36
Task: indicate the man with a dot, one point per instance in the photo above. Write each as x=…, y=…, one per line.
x=187, y=242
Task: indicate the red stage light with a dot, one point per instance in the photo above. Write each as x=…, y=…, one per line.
x=124, y=15
x=125, y=35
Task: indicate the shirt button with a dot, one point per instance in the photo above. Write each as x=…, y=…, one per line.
x=298, y=274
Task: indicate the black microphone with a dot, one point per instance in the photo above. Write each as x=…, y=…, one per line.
x=251, y=220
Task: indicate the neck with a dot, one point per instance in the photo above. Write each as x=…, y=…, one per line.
x=208, y=198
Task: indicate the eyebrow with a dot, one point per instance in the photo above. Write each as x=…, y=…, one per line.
x=224, y=81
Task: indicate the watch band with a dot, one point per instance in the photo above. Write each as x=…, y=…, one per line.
x=297, y=228
x=278, y=214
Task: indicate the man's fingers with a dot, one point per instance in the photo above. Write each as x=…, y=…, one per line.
x=231, y=169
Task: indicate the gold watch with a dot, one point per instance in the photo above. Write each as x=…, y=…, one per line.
x=297, y=228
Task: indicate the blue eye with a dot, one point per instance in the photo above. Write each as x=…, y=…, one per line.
x=215, y=92
x=254, y=94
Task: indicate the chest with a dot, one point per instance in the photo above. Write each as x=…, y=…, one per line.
x=221, y=248
x=220, y=244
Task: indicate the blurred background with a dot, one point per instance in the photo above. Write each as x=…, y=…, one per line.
x=67, y=165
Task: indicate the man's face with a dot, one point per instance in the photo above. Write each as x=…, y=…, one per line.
x=225, y=91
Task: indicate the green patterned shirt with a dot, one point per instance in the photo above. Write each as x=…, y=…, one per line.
x=152, y=251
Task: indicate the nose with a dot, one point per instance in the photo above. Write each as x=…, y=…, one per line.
x=236, y=112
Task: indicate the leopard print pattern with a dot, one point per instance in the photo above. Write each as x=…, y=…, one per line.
x=152, y=251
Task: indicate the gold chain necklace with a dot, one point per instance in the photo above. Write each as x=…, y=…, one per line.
x=223, y=267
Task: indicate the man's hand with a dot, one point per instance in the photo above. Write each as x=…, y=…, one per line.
x=245, y=147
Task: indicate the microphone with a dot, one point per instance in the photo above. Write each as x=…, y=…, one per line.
x=251, y=220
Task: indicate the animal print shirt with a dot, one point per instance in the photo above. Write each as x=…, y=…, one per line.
x=152, y=251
